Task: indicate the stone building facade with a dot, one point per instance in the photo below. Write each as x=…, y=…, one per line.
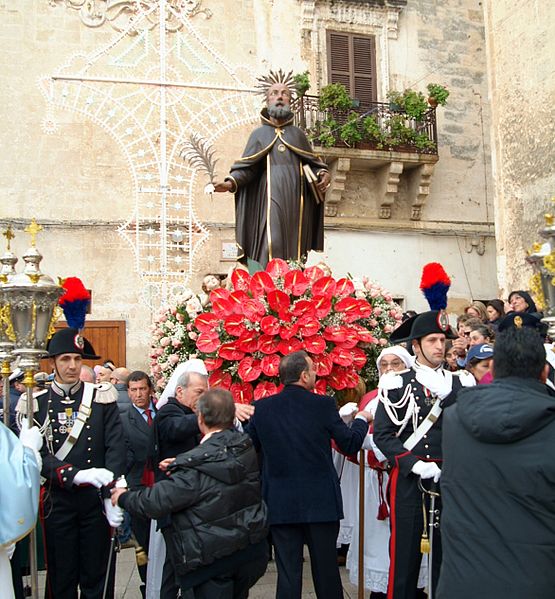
x=520, y=42
x=99, y=101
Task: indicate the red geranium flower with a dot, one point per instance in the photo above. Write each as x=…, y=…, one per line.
x=254, y=310
x=238, y=299
x=335, y=334
x=341, y=356
x=302, y=307
x=359, y=357
x=322, y=306
x=249, y=369
x=308, y=326
x=288, y=330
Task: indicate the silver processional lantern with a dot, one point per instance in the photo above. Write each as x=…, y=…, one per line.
x=28, y=301
x=7, y=271
x=542, y=284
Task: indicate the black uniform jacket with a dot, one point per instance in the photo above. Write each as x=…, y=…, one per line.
x=214, y=498
x=139, y=437
x=101, y=443
x=385, y=431
x=176, y=429
x=498, y=491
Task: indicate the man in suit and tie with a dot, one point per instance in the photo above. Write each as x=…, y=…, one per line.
x=293, y=431
x=137, y=423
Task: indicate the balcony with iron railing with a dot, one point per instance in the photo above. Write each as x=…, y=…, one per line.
x=378, y=137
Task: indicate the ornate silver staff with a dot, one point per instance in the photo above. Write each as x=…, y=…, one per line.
x=7, y=271
x=29, y=302
x=430, y=524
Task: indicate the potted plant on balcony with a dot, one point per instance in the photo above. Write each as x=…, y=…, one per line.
x=409, y=101
x=334, y=97
x=350, y=132
x=437, y=94
x=302, y=83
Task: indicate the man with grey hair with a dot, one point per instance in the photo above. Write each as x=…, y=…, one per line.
x=276, y=212
x=218, y=518
x=118, y=378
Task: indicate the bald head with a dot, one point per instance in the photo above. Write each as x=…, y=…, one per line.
x=120, y=375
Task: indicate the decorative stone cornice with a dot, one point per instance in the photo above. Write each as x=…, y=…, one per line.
x=119, y=13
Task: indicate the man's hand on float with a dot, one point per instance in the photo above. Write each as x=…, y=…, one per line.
x=98, y=477
x=324, y=180
x=165, y=464
x=243, y=411
x=116, y=494
x=426, y=470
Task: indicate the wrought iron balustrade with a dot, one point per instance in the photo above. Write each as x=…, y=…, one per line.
x=394, y=129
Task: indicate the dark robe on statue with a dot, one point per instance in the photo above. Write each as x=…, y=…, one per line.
x=272, y=167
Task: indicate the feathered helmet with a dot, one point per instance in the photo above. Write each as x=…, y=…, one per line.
x=434, y=284
x=74, y=303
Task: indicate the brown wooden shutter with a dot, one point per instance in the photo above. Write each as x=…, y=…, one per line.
x=352, y=62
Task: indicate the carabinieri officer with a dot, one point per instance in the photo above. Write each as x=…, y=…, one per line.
x=84, y=450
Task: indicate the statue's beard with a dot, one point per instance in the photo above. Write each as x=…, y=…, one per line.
x=279, y=112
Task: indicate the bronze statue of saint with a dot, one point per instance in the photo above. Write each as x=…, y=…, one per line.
x=276, y=212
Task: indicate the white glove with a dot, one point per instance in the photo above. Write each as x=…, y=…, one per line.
x=97, y=477
x=427, y=470
x=114, y=514
x=435, y=381
x=31, y=438
x=9, y=549
x=348, y=411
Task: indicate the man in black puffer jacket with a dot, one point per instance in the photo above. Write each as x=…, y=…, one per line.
x=498, y=479
x=219, y=521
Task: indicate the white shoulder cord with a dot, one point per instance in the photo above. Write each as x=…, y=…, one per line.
x=407, y=399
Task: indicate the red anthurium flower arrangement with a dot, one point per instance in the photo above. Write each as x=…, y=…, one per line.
x=241, y=332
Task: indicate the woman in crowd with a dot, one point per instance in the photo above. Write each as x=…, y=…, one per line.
x=451, y=356
x=521, y=301
x=478, y=362
x=495, y=310
x=477, y=310
x=480, y=333
x=376, y=517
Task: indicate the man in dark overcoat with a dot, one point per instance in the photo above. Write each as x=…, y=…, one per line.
x=293, y=431
x=498, y=479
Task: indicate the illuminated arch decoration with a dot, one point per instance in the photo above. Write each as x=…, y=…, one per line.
x=152, y=85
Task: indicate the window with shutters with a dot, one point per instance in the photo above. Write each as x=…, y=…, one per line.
x=352, y=62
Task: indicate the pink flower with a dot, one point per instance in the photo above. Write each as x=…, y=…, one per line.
x=373, y=323
x=157, y=369
x=193, y=336
x=374, y=293
x=377, y=311
x=387, y=298
x=388, y=328
x=382, y=342
x=177, y=343
x=180, y=317
x=165, y=341
x=173, y=359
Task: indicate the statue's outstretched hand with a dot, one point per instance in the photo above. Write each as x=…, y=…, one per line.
x=223, y=186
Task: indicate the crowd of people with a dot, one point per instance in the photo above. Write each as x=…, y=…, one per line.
x=207, y=491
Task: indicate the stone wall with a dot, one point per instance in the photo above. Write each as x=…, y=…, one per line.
x=66, y=165
x=520, y=40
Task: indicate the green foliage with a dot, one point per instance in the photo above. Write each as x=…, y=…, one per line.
x=324, y=133
x=335, y=97
x=412, y=102
x=351, y=132
x=372, y=131
x=302, y=83
x=438, y=92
